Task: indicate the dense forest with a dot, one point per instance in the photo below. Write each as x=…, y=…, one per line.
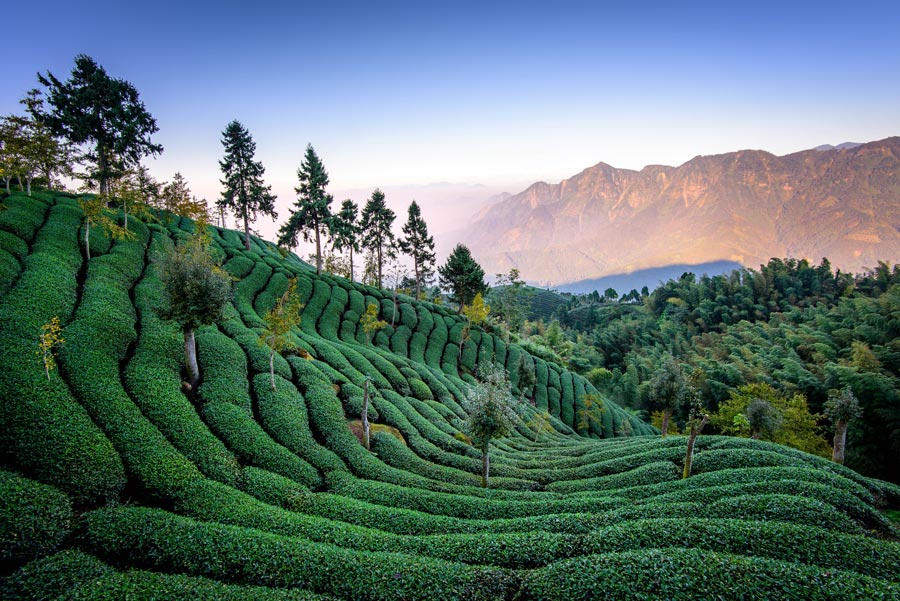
x=801, y=329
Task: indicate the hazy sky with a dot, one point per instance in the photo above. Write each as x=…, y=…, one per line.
x=411, y=93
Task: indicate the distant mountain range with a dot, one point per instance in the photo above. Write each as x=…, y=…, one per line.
x=743, y=207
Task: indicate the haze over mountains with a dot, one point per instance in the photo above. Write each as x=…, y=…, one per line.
x=839, y=202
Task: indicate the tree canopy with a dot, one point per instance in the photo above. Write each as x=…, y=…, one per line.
x=245, y=193
x=463, y=276
x=419, y=246
x=345, y=230
x=311, y=217
x=103, y=112
x=377, y=237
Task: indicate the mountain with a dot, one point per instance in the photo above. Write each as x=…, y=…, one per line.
x=651, y=278
x=747, y=206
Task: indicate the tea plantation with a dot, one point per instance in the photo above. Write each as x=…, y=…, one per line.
x=115, y=484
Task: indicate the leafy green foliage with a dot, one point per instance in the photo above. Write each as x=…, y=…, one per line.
x=419, y=246
x=462, y=275
x=312, y=214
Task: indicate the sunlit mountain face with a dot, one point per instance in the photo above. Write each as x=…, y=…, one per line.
x=840, y=202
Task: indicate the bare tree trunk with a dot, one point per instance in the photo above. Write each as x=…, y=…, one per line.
x=380, y=260
x=318, y=250
x=87, y=238
x=351, y=262
x=125, y=210
x=689, y=456
x=246, y=231
x=47, y=174
x=418, y=285
x=190, y=359
x=394, y=314
x=101, y=165
x=28, y=185
x=485, y=465
x=665, y=421
x=365, y=415
x=272, y=368
x=840, y=442
x=7, y=184
x=21, y=187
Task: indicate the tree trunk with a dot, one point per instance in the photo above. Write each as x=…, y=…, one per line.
x=351, y=263
x=754, y=435
x=246, y=231
x=418, y=285
x=101, y=167
x=7, y=184
x=840, y=442
x=394, y=314
x=87, y=238
x=318, y=251
x=19, y=180
x=47, y=174
x=689, y=456
x=665, y=422
x=379, y=265
x=28, y=185
x=190, y=359
x=365, y=415
x=272, y=368
x=125, y=210
x=485, y=465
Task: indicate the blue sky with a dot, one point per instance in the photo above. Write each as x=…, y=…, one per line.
x=504, y=94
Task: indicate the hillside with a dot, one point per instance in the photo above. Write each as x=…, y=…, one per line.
x=115, y=484
x=842, y=203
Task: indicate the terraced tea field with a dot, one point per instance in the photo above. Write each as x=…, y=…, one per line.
x=115, y=484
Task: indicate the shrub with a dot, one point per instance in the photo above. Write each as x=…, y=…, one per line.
x=34, y=518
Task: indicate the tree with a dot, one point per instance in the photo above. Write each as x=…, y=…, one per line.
x=96, y=212
x=667, y=390
x=798, y=427
x=245, y=192
x=106, y=113
x=45, y=153
x=476, y=314
x=313, y=213
x=540, y=423
x=841, y=409
x=419, y=245
x=370, y=322
x=195, y=293
x=589, y=413
x=509, y=298
x=697, y=420
x=762, y=418
x=491, y=412
x=50, y=339
x=610, y=294
x=364, y=415
x=377, y=236
x=463, y=276
x=11, y=159
x=345, y=230
x=279, y=320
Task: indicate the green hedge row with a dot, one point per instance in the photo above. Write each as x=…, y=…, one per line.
x=330, y=320
x=266, y=486
x=247, y=439
x=283, y=413
x=97, y=341
x=650, y=473
x=23, y=216
x=245, y=292
x=223, y=369
x=235, y=554
x=685, y=574
x=75, y=575
x=34, y=518
x=44, y=431
x=312, y=310
x=437, y=340
x=275, y=288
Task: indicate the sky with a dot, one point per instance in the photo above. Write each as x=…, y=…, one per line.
x=488, y=96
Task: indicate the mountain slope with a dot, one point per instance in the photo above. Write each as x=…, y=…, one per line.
x=747, y=206
x=239, y=491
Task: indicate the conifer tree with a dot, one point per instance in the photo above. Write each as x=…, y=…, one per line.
x=377, y=236
x=345, y=230
x=463, y=276
x=245, y=192
x=419, y=245
x=312, y=216
x=93, y=108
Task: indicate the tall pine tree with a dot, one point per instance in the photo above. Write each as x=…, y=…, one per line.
x=377, y=236
x=312, y=217
x=463, y=276
x=93, y=108
x=419, y=245
x=245, y=193
x=345, y=230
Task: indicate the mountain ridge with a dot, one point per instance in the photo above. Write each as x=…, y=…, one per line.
x=744, y=206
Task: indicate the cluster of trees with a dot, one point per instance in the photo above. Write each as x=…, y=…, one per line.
x=804, y=332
